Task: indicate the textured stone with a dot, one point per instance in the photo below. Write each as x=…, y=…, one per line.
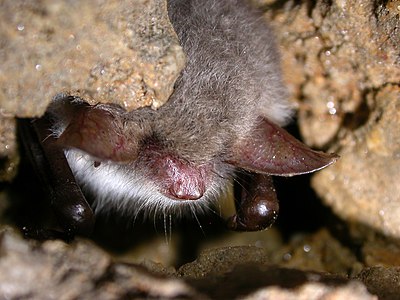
x=9, y=158
x=119, y=52
x=104, y=51
x=362, y=186
x=319, y=252
x=81, y=270
x=314, y=291
x=342, y=64
x=382, y=281
x=334, y=53
x=231, y=273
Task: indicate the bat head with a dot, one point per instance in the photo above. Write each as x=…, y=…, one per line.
x=109, y=134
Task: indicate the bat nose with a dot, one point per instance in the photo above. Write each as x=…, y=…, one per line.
x=179, y=179
x=187, y=190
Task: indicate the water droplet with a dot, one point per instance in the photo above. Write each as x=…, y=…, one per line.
x=331, y=107
x=38, y=67
x=287, y=256
x=332, y=111
x=307, y=248
x=20, y=27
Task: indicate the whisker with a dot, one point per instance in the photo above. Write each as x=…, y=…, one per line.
x=197, y=220
x=165, y=230
x=155, y=213
x=170, y=228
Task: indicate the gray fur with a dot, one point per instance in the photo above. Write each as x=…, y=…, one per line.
x=232, y=76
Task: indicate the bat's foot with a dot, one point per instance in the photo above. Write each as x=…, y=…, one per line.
x=258, y=207
x=258, y=217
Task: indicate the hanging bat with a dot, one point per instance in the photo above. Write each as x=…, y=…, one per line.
x=223, y=118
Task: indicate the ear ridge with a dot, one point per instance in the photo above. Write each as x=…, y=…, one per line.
x=270, y=149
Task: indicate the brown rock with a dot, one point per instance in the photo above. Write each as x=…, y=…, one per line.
x=314, y=291
x=363, y=186
x=318, y=252
x=9, y=158
x=342, y=63
x=333, y=53
x=55, y=270
x=115, y=51
x=382, y=281
x=119, y=52
x=244, y=273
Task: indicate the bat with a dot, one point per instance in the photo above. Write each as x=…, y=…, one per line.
x=223, y=119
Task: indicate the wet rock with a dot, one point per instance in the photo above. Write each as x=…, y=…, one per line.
x=319, y=252
x=119, y=52
x=9, y=158
x=55, y=270
x=115, y=51
x=244, y=273
x=310, y=291
x=382, y=281
x=362, y=186
x=341, y=62
x=333, y=53
x=380, y=251
x=222, y=260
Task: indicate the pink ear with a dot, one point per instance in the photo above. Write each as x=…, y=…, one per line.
x=269, y=149
x=97, y=131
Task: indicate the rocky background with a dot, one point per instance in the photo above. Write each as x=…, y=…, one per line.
x=338, y=233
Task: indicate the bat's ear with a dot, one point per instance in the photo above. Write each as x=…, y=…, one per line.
x=272, y=150
x=98, y=131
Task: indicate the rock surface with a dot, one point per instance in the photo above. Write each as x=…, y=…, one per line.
x=102, y=51
x=342, y=61
x=363, y=185
x=55, y=270
x=383, y=281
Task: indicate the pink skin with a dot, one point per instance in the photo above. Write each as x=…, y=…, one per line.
x=177, y=178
